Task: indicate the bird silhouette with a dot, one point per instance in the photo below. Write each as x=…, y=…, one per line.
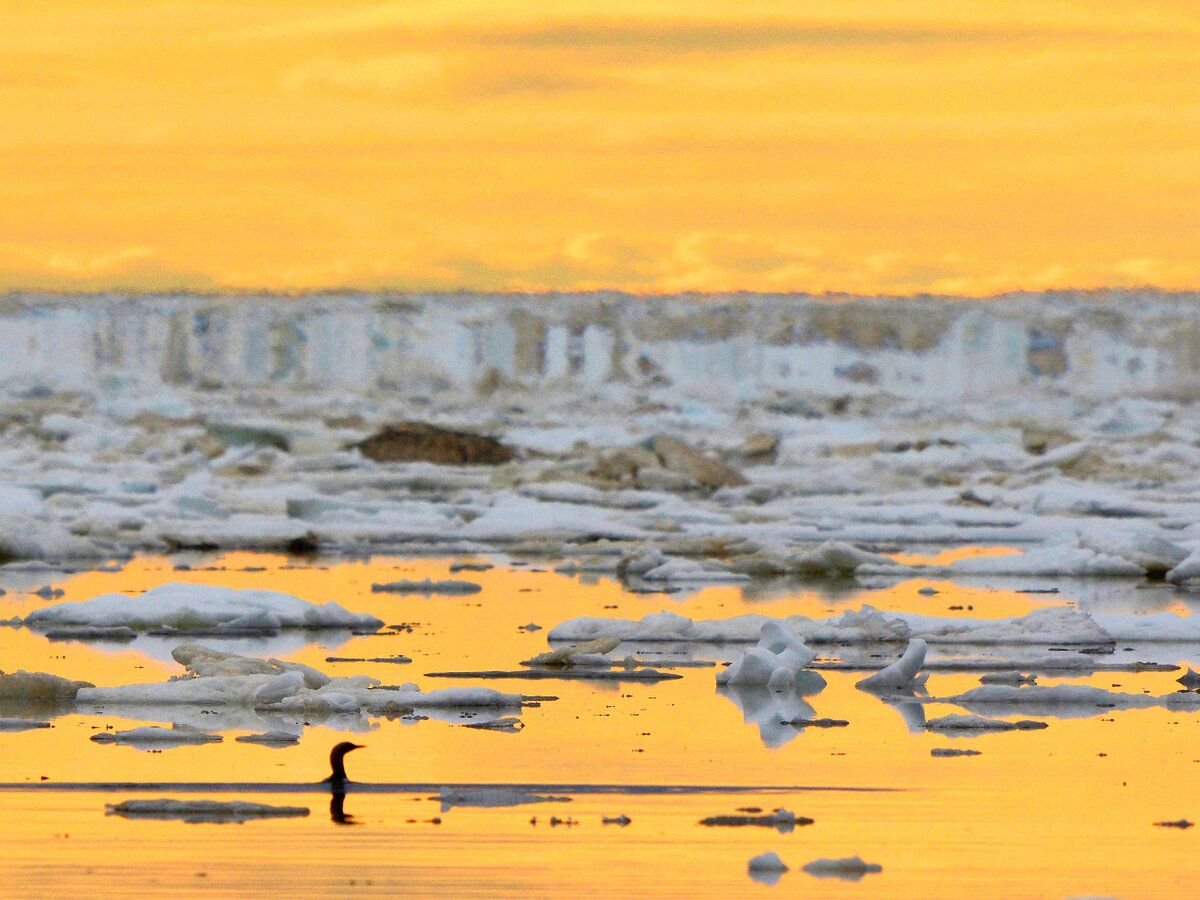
x=337, y=777
x=337, y=782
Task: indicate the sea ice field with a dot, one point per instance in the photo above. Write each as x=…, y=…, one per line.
x=793, y=596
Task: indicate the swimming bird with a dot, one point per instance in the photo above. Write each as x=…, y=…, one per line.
x=337, y=776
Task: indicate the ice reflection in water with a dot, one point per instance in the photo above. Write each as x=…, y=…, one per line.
x=774, y=710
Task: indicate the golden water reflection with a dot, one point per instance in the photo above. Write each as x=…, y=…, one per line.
x=1067, y=810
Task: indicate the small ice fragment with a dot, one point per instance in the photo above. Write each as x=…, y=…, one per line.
x=615, y=820
x=427, y=586
x=531, y=626
x=510, y=724
x=976, y=724
x=902, y=674
x=1178, y=823
x=766, y=867
x=1015, y=679
x=851, y=868
x=91, y=633
x=953, y=751
x=269, y=738
x=493, y=797
x=588, y=653
x=784, y=820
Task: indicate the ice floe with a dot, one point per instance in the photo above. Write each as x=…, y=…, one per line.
x=218, y=679
x=967, y=724
x=270, y=738
x=953, y=752
x=427, y=586
x=153, y=736
x=782, y=820
x=851, y=868
x=589, y=653
x=200, y=811
x=493, y=797
x=200, y=608
x=1049, y=625
x=13, y=724
x=1059, y=699
x=653, y=565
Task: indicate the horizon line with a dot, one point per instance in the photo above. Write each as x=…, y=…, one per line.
x=11, y=294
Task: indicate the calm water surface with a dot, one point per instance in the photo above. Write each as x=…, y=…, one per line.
x=1062, y=812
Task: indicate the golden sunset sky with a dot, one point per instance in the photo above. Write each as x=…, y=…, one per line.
x=857, y=145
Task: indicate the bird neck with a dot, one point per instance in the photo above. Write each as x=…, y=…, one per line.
x=339, y=770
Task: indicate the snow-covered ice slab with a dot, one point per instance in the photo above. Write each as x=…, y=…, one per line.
x=200, y=608
x=1049, y=625
x=218, y=679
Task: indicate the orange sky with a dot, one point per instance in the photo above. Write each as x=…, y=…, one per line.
x=965, y=146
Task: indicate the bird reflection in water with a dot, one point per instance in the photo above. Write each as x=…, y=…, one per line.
x=337, y=782
x=337, y=810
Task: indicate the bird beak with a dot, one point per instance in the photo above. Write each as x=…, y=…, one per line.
x=358, y=746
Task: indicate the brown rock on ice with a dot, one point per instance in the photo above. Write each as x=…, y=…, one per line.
x=759, y=447
x=39, y=688
x=422, y=442
x=623, y=464
x=679, y=457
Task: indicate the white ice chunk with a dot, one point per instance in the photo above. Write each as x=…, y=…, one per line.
x=776, y=660
x=902, y=674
